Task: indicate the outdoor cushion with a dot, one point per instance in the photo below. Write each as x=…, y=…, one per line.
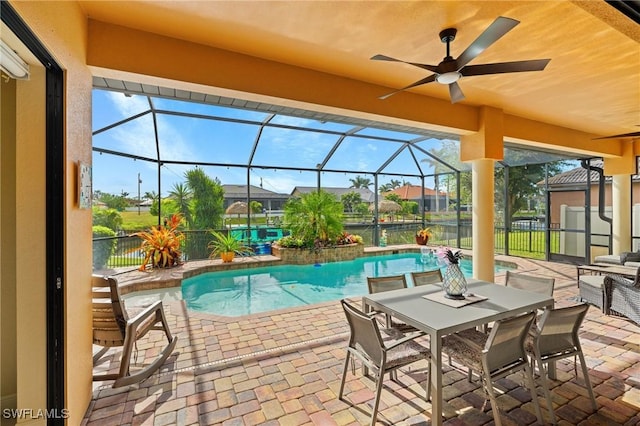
x=630, y=257
x=609, y=258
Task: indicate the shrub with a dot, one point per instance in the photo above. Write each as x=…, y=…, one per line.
x=102, y=249
x=291, y=242
x=109, y=218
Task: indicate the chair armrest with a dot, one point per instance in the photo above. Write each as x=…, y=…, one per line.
x=154, y=308
x=405, y=339
x=610, y=279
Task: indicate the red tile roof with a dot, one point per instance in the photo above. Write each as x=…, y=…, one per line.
x=413, y=192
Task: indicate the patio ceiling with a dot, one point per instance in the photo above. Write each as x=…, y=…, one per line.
x=591, y=84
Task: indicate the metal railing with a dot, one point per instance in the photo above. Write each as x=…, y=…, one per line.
x=526, y=239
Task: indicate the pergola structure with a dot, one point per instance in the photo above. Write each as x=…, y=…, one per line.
x=223, y=133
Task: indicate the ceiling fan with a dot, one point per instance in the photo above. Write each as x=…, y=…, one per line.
x=622, y=135
x=450, y=70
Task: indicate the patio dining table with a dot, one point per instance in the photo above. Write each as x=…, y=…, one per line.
x=425, y=309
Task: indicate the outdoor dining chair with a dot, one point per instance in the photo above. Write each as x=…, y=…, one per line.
x=556, y=337
x=427, y=277
x=113, y=327
x=495, y=355
x=542, y=285
x=388, y=283
x=378, y=353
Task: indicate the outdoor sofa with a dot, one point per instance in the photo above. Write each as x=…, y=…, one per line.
x=628, y=258
x=622, y=296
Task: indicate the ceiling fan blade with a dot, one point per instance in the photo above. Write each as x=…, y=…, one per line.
x=624, y=135
x=427, y=67
x=425, y=80
x=505, y=67
x=455, y=92
x=497, y=29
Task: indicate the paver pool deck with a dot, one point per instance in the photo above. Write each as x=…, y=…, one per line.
x=284, y=368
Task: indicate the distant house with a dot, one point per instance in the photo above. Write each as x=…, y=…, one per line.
x=366, y=194
x=568, y=189
x=270, y=200
x=414, y=193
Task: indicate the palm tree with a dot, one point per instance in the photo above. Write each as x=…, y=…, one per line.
x=315, y=217
x=151, y=195
x=385, y=187
x=396, y=183
x=181, y=195
x=360, y=182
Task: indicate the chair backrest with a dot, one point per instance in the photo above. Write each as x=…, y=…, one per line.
x=557, y=333
x=426, y=277
x=542, y=285
x=109, y=315
x=504, y=348
x=392, y=282
x=365, y=335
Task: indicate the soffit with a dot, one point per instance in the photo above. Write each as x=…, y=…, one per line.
x=592, y=83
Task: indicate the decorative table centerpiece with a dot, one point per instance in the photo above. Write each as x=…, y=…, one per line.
x=453, y=281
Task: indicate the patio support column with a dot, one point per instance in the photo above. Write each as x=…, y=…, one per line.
x=482, y=183
x=621, y=169
x=621, y=202
x=482, y=149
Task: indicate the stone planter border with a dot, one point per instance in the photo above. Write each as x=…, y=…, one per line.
x=296, y=256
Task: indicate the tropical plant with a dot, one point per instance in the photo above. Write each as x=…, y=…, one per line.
x=181, y=196
x=161, y=245
x=424, y=233
x=207, y=199
x=291, y=242
x=227, y=243
x=346, y=238
x=315, y=218
x=104, y=244
x=255, y=206
x=360, y=182
x=350, y=200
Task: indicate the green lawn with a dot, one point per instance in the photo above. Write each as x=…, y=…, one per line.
x=132, y=221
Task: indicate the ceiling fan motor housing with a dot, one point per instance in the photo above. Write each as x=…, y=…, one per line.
x=448, y=35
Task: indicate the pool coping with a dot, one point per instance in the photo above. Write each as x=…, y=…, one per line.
x=134, y=280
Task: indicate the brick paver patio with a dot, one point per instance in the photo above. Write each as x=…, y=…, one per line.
x=284, y=368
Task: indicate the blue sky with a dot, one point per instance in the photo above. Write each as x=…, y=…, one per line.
x=199, y=140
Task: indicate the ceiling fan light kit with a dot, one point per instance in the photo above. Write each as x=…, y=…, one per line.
x=448, y=77
x=450, y=70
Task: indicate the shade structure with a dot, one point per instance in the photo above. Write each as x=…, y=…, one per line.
x=239, y=207
x=387, y=206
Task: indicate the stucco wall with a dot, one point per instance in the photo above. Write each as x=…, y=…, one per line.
x=61, y=27
x=8, y=378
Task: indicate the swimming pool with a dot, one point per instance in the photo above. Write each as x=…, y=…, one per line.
x=250, y=291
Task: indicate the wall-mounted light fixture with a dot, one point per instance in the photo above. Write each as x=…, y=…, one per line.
x=12, y=64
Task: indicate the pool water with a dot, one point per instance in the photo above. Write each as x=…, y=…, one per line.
x=250, y=291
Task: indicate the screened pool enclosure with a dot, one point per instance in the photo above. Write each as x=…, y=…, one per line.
x=147, y=138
